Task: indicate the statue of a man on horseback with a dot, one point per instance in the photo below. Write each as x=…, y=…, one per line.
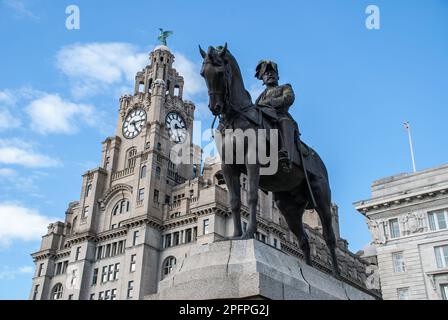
x=275, y=102
x=294, y=190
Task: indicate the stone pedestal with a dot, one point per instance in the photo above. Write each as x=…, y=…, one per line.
x=250, y=269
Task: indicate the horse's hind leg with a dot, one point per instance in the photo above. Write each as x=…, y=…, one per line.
x=232, y=179
x=253, y=178
x=322, y=195
x=292, y=208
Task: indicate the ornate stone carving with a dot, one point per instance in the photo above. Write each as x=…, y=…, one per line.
x=412, y=223
x=377, y=230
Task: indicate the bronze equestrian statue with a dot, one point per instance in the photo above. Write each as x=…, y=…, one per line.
x=300, y=183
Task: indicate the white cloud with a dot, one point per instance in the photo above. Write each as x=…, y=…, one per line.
x=23, y=224
x=18, y=152
x=51, y=114
x=7, y=97
x=20, y=8
x=194, y=84
x=94, y=67
x=8, y=273
x=7, y=121
x=7, y=172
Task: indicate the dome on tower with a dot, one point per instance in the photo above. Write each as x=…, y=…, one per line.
x=162, y=47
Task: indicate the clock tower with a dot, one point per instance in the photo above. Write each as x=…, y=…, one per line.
x=150, y=123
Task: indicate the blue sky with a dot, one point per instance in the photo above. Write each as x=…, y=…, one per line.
x=354, y=88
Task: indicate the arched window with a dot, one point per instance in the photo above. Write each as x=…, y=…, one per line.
x=168, y=83
x=132, y=152
x=121, y=207
x=143, y=172
x=158, y=173
x=141, y=87
x=168, y=266
x=56, y=293
x=176, y=90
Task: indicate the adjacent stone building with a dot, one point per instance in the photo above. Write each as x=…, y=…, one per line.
x=407, y=217
x=139, y=212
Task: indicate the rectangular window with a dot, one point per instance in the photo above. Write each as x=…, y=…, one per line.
x=168, y=240
x=99, y=252
x=394, y=228
x=114, y=249
x=135, y=238
x=114, y=226
x=275, y=242
x=188, y=236
x=104, y=275
x=141, y=194
x=441, y=256
x=206, y=223
x=263, y=238
x=156, y=196
x=64, y=266
x=101, y=295
x=108, y=247
x=59, y=268
x=110, y=276
x=133, y=262
x=92, y=296
x=95, y=276
x=444, y=290
x=398, y=261
x=438, y=220
x=116, y=271
x=244, y=226
x=167, y=199
x=130, y=289
x=120, y=247
x=36, y=291
x=176, y=239
x=78, y=253
x=113, y=294
x=41, y=268
x=403, y=293
x=107, y=295
x=70, y=297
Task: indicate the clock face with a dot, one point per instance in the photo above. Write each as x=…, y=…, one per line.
x=134, y=123
x=176, y=127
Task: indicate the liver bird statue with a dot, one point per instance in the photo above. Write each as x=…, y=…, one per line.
x=163, y=35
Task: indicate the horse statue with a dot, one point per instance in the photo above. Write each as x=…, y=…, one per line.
x=294, y=190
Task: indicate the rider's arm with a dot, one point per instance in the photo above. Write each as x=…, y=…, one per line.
x=286, y=99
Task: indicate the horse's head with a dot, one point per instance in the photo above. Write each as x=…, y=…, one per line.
x=215, y=71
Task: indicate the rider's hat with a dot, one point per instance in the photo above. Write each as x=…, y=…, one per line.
x=263, y=66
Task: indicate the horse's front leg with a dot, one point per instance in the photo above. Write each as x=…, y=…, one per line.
x=232, y=178
x=253, y=178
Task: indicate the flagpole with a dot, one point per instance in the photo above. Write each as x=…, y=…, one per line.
x=408, y=128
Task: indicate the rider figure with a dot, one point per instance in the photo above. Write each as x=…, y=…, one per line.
x=275, y=101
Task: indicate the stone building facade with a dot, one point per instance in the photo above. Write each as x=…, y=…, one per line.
x=407, y=217
x=139, y=212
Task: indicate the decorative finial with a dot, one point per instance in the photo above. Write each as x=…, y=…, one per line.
x=163, y=35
